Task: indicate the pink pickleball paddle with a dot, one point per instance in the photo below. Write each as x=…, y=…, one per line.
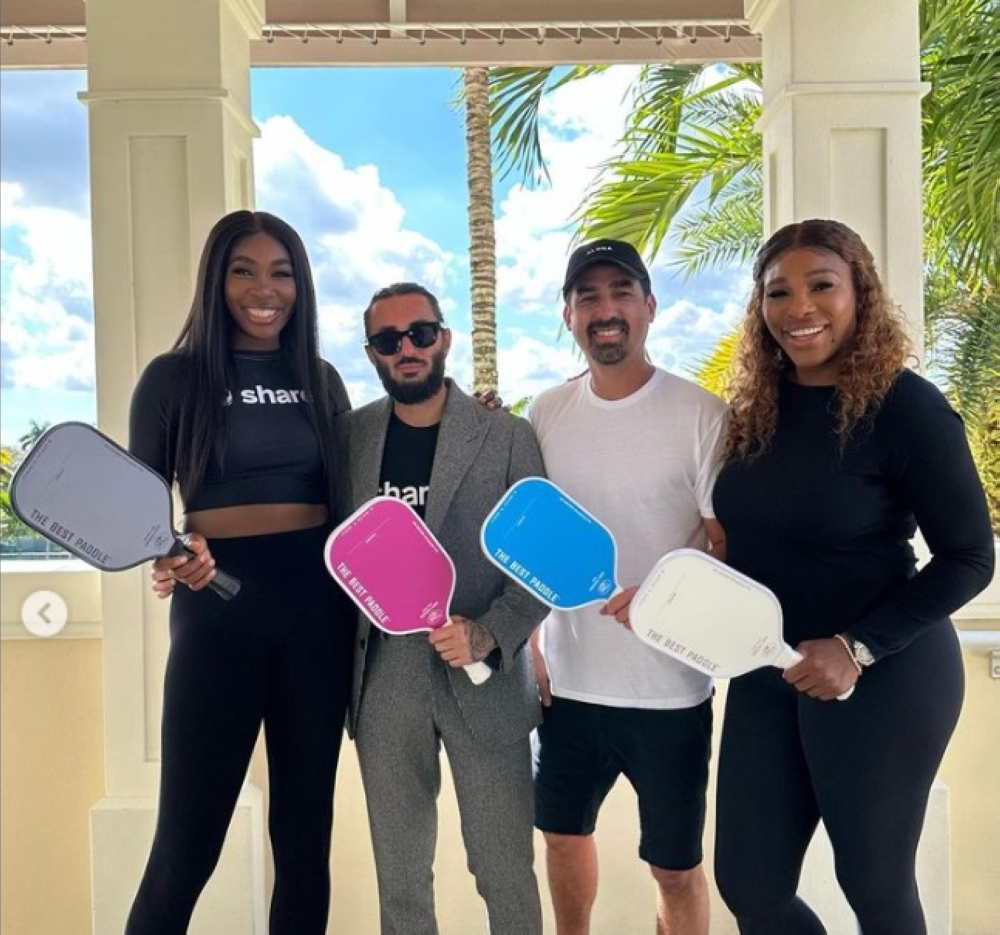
x=389, y=563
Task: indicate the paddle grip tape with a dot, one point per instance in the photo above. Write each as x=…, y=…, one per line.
x=223, y=584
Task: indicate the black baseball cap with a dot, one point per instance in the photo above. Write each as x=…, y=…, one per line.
x=618, y=252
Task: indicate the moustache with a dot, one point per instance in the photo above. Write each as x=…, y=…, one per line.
x=607, y=323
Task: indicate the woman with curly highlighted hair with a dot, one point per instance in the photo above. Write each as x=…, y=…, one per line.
x=835, y=455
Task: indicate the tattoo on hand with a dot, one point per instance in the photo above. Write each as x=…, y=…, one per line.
x=481, y=642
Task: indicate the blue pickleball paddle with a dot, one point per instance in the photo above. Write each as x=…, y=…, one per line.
x=549, y=544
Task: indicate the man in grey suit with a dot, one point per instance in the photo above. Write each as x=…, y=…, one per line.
x=451, y=459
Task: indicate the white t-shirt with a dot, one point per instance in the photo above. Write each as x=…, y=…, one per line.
x=644, y=466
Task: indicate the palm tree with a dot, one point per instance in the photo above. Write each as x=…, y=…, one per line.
x=32, y=434
x=689, y=169
x=482, y=247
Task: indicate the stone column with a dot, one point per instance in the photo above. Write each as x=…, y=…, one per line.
x=841, y=127
x=168, y=101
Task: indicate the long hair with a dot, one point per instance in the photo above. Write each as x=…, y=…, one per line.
x=206, y=340
x=872, y=359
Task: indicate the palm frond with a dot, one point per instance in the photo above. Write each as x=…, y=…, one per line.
x=712, y=371
x=971, y=357
x=666, y=166
x=969, y=346
x=723, y=232
x=515, y=103
x=961, y=138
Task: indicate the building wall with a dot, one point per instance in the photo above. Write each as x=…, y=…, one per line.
x=51, y=774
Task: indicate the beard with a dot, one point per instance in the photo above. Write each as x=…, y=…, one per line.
x=410, y=392
x=602, y=352
x=608, y=354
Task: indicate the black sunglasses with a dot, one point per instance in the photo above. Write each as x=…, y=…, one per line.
x=422, y=334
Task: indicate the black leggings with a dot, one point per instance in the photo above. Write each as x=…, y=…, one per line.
x=865, y=766
x=279, y=654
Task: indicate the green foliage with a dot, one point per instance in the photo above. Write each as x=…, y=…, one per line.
x=520, y=408
x=6, y=471
x=966, y=349
x=960, y=42
x=712, y=371
x=11, y=527
x=35, y=430
x=690, y=151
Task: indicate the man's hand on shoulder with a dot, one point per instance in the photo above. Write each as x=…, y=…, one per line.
x=490, y=399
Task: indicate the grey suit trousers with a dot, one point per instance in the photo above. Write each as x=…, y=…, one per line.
x=407, y=711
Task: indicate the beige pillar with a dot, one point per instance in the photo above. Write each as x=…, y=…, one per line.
x=841, y=127
x=168, y=99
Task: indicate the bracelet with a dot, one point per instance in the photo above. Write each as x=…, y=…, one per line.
x=850, y=652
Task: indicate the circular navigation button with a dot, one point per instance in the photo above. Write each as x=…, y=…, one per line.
x=44, y=613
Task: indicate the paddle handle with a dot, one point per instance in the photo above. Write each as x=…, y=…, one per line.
x=478, y=672
x=789, y=657
x=223, y=584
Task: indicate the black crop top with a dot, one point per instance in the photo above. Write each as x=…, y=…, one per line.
x=272, y=454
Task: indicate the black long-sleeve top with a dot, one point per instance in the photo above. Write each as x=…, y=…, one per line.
x=272, y=453
x=829, y=531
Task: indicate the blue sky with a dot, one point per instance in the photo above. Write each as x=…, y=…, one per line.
x=369, y=166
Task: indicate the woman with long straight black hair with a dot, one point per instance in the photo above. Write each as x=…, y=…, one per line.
x=239, y=414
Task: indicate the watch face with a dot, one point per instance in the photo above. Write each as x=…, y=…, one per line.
x=863, y=654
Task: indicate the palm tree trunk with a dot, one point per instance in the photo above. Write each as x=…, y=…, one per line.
x=482, y=246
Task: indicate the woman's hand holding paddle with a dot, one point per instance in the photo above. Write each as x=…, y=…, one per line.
x=826, y=671
x=196, y=571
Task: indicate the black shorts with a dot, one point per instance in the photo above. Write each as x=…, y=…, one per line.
x=582, y=749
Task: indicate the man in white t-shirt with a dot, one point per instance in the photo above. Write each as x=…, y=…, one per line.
x=637, y=447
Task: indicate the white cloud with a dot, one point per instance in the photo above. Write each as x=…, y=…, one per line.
x=354, y=228
x=54, y=366
x=47, y=305
x=685, y=332
x=55, y=243
x=353, y=225
x=531, y=365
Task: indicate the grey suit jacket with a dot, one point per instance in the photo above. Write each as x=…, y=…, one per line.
x=479, y=455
